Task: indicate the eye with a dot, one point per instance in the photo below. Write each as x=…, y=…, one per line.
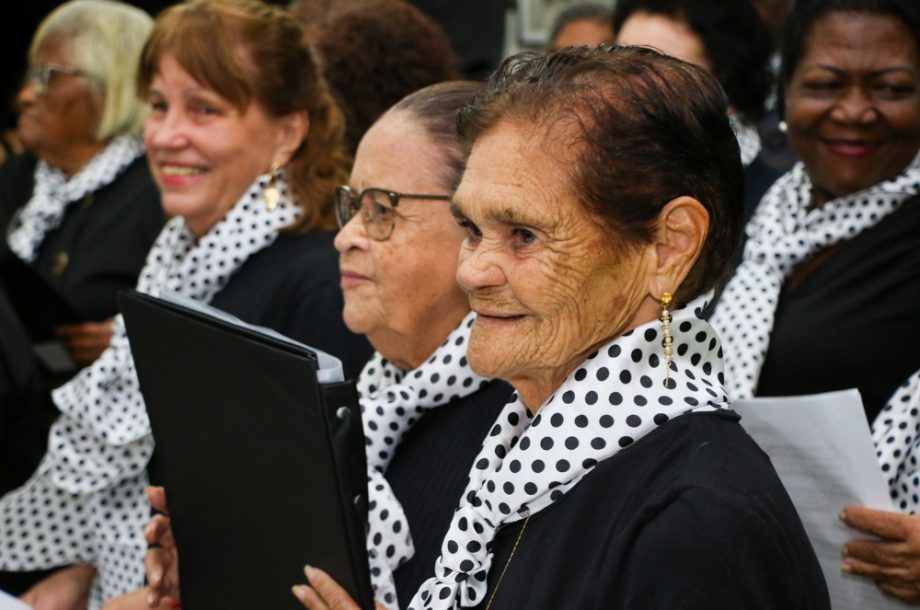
x=894, y=90
x=473, y=234
x=525, y=236
x=203, y=108
x=158, y=105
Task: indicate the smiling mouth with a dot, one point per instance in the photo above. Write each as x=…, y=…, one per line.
x=497, y=318
x=180, y=170
x=851, y=148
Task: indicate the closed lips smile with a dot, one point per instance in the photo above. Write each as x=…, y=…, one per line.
x=492, y=316
x=350, y=277
x=850, y=148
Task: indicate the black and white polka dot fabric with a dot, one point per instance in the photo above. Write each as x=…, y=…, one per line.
x=896, y=434
x=86, y=501
x=784, y=231
x=391, y=402
x=612, y=400
x=748, y=139
x=53, y=192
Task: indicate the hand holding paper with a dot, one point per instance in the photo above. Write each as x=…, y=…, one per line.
x=893, y=562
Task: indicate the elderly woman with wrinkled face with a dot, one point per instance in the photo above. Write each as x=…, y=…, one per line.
x=600, y=207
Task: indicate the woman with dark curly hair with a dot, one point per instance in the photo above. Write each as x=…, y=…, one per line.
x=730, y=40
x=375, y=52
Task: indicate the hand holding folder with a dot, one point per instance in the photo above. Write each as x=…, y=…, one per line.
x=261, y=450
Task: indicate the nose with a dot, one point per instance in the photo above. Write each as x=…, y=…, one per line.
x=479, y=267
x=165, y=130
x=855, y=107
x=352, y=236
x=27, y=95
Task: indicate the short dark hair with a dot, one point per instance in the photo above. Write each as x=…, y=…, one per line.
x=579, y=12
x=436, y=108
x=374, y=53
x=737, y=43
x=806, y=12
x=649, y=127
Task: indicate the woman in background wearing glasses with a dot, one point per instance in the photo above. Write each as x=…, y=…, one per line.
x=79, y=210
x=425, y=412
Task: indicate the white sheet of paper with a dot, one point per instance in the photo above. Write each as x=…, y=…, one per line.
x=822, y=450
x=8, y=602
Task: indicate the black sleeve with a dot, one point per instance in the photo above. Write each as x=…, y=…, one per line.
x=706, y=552
x=316, y=319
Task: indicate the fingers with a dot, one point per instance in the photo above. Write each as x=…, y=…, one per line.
x=308, y=597
x=158, y=531
x=882, y=553
x=323, y=593
x=894, y=526
x=905, y=593
x=157, y=498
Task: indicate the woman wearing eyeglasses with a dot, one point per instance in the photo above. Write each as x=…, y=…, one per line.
x=247, y=170
x=79, y=210
x=425, y=412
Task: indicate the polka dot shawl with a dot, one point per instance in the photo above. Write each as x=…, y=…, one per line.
x=391, y=402
x=748, y=140
x=896, y=434
x=526, y=463
x=53, y=192
x=86, y=501
x=784, y=231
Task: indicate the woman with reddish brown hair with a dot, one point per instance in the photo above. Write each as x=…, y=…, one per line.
x=246, y=146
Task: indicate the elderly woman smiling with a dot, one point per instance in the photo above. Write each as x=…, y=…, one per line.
x=600, y=204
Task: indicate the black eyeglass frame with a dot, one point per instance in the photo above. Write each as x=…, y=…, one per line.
x=348, y=204
x=39, y=75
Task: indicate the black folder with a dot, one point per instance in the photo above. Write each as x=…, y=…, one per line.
x=264, y=466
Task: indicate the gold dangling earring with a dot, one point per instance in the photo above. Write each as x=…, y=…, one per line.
x=270, y=192
x=668, y=341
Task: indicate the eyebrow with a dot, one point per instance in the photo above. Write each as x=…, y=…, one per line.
x=873, y=73
x=504, y=216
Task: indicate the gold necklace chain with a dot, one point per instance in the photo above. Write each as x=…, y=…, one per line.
x=507, y=563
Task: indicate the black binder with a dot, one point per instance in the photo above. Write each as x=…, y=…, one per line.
x=264, y=466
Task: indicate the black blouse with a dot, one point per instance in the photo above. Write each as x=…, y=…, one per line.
x=692, y=516
x=99, y=247
x=292, y=287
x=855, y=320
x=429, y=471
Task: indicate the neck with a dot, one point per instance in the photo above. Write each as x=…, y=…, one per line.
x=75, y=158
x=408, y=351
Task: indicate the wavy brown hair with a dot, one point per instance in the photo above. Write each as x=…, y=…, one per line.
x=248, y=51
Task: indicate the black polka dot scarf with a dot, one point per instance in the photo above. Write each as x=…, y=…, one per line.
x=391, y=402
x=86, y=501
x=53, y=192
x=784, y=231
x=612, y=400
x=896, y=434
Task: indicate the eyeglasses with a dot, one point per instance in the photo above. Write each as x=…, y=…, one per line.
x=377, y=207
x=39, y=76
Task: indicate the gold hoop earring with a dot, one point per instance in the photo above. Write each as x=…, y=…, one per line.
x=667, y=342
x=270, y=192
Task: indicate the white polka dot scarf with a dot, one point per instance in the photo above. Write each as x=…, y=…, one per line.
x=86, y=501
x=748, y=139
x=53, y=192
x=896, y=434
x=391, y=402
x=613, y=399
x=784, y=231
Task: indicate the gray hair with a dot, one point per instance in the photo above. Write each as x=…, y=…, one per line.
x=103, y=38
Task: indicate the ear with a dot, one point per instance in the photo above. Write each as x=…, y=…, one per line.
x=681, y=230
x=292, y=131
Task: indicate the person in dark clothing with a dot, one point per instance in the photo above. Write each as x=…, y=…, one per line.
x=599, y=202
x=246, y=169
x=374, y=53
x=731, y=40
x=831, y=267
